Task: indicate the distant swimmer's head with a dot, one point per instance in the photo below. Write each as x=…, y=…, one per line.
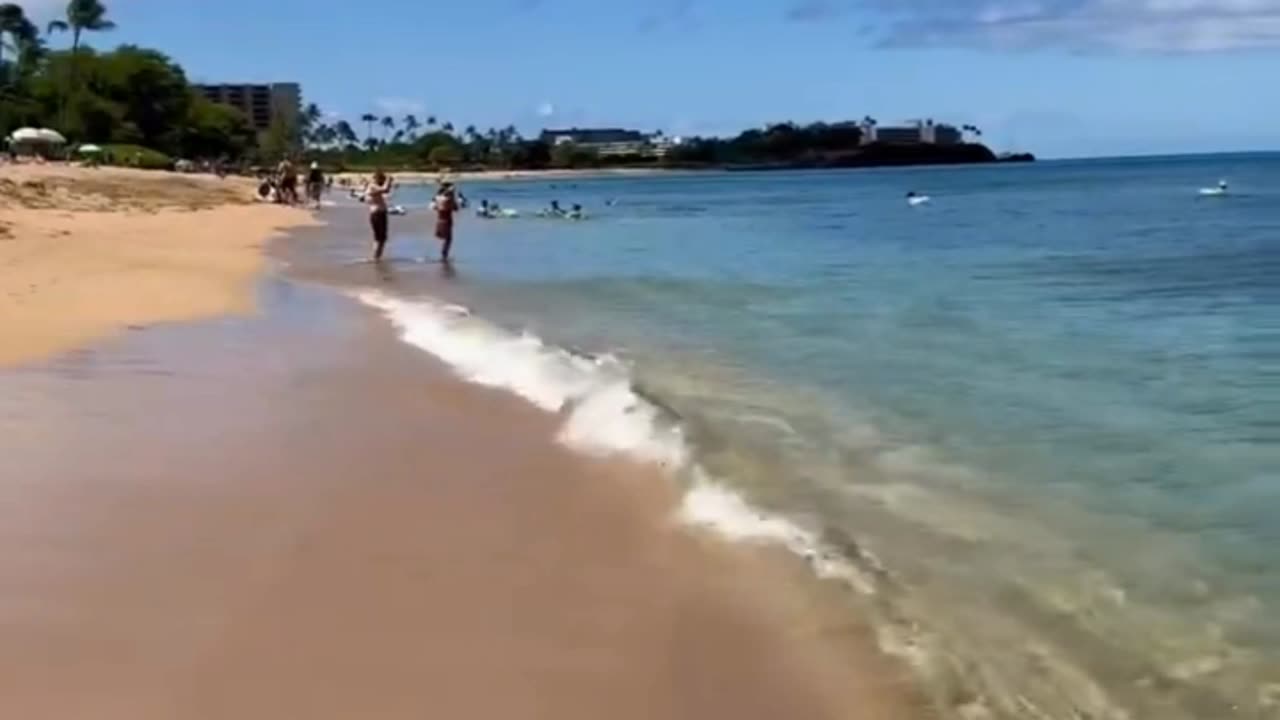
x=911, y=194
x=1222, y=184
x=577, y=207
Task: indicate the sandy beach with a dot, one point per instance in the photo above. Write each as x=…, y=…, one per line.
x=87, y=252
x=337, y=527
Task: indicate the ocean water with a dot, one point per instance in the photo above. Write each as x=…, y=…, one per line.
x=1033, y=424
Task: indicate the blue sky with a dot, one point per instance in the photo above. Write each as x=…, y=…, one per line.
x=1058, y=77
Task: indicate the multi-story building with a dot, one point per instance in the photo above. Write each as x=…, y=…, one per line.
x=260, y=103
x=920, y=132
x=604, y=141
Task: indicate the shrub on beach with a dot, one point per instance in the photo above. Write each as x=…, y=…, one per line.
x=127, y=155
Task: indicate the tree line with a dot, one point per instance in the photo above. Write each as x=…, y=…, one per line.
x=130, y=95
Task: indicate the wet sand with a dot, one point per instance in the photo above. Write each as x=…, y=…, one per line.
x=296, y=516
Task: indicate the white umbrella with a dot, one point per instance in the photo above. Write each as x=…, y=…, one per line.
x=89, y=149
x=44, y=135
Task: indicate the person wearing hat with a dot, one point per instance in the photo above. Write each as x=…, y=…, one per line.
x=315, y=184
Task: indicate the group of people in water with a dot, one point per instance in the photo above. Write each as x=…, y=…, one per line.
x=492, y=210
x=377, y=193
x=448, y=200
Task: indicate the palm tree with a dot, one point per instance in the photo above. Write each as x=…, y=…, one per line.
x=308, y=121
x=447, y=127
x=388, y=123
x=82, y=16
x=411, y=124
x=369, y=119
x=431, y=121
x=324, y=135
x=14, y=22
x=345, y=133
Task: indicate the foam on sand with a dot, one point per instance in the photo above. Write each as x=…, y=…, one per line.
x=603, y=414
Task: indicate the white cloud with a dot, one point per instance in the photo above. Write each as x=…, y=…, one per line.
x=1134, y=25
x=400, y=106
x=546, y=109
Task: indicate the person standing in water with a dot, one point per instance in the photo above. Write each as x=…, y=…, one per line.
x=445, y=205
x=287, y=181
x=315, y=184
x=376, y=194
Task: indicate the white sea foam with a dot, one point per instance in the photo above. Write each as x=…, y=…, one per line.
x=603, y=415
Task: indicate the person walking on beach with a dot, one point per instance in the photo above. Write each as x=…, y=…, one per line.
x=445, y=205
x=376, y=194
x=315, y=184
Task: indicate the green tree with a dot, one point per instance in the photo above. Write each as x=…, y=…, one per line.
x=345, y=133
x=368, y=119
x=151, y=90
x=444, y=155
x=23, y=44
x=81, y=16
x=569, y=155
x=411, y=125
x=12, y=20
x=308, y=121
x=280, y=139
x=213, y=130
x=388, y=124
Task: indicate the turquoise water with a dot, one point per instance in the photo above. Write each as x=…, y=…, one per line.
x=1041, y=412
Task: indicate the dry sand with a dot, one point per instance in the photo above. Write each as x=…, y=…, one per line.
x=87, y=252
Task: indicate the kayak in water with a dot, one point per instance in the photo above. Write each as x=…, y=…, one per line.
x=1221, y=189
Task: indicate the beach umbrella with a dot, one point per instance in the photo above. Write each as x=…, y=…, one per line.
x=89, y=149
x=40, y=135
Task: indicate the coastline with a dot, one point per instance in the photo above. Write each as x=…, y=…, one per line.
x=315, y=541
x=427, y=177
x=870, y=157
x=85, y=253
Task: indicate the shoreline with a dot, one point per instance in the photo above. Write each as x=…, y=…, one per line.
x=85, y=253
x=314, y=541
x=418, y=177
